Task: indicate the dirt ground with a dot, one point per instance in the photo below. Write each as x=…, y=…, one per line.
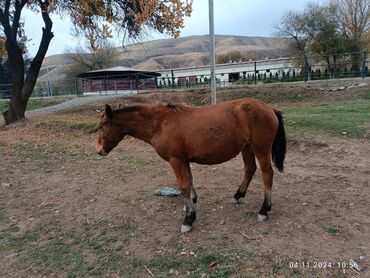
x=65, y=211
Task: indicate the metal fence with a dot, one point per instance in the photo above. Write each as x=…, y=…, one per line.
x=60, y=87
x=292, y=69
x=49, y=88
x=5, y=90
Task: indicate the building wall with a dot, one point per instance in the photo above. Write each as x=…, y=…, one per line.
x=225, y=72
x=117, y=84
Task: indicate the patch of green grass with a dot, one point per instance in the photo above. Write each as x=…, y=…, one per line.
x=95, y=249
x=40, y=156
x=166, y=262
x=34, y=103
x=9, y=239
x=4, y=106
x=210, y=257
x=137, y=262
x=366, y=95
x=89, y=250
x=267, y=95
x=221, y=272
x=87, y=127
x=345, y=119
x=331, y=230
x=174, y=243
x=214, y=263
x=277, y=266
x=296, y=272
x=58, y=255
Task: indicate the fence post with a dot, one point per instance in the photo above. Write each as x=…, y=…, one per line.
x=50, y=93
x=363, y=64
x=76, y=86
x=173, y=80
x=49, y=89
x=255, y=73
x=137, y=83
x=305, y=67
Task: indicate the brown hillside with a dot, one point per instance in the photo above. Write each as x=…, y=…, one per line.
x=175, y=53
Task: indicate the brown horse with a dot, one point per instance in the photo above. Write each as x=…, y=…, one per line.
x=205, y=135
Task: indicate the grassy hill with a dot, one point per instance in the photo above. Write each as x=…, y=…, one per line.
x=175, y=53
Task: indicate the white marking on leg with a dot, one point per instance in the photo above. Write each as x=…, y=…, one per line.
x=235, y=201
x=261, y=217
x=192, y=206
x=184, y=209
x=185, y=228
x=189, y=208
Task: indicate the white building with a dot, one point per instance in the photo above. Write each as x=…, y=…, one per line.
x=228, y=73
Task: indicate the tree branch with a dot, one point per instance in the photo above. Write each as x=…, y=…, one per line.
x=7, y=7
x=4, y=18
x=36, y=63
x=17, y=16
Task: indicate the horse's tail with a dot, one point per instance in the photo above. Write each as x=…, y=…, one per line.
x=279, y=145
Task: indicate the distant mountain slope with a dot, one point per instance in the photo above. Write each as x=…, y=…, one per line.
x=176, y=53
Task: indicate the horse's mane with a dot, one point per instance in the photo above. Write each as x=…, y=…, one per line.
x=133, y=108
x=137, y=108
x=177, y=107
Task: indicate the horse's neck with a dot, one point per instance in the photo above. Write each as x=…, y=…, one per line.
x=139, y=125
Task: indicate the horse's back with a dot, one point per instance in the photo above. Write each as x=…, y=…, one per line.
x=214, y=134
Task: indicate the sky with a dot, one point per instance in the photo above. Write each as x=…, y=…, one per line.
x=232, y=17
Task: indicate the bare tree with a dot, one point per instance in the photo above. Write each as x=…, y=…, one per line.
x=87, y=59
x=292, y=28
x=327, y=29
x=353, y=18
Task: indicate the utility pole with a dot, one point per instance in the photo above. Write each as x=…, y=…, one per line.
x=212, y=52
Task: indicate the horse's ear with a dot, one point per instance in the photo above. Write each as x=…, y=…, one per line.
x=108, y=111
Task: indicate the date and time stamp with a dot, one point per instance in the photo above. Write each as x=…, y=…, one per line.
x=322, y=264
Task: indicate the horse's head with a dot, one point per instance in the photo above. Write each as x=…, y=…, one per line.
x=109, y=133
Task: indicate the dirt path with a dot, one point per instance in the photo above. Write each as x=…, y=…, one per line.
x=75, y=102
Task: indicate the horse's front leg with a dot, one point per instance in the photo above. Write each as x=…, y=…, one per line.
x=185, y=181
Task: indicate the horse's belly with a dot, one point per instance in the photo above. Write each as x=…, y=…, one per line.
x=213, y=159
x=215, y=154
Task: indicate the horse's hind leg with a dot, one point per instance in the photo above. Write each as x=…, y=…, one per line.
x=185, y=181
x=264, y=160
x=249, y=170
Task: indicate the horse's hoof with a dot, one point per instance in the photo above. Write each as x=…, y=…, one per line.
x=235, y=201
x=185, y=229
x=261, y=217
x=184, y=209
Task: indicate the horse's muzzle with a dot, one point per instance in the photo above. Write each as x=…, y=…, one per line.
x=102, y=152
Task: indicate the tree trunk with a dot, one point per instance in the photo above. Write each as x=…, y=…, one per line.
x=16, y=110
x=22, y=89
x=16, y=107
x=328, y=64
